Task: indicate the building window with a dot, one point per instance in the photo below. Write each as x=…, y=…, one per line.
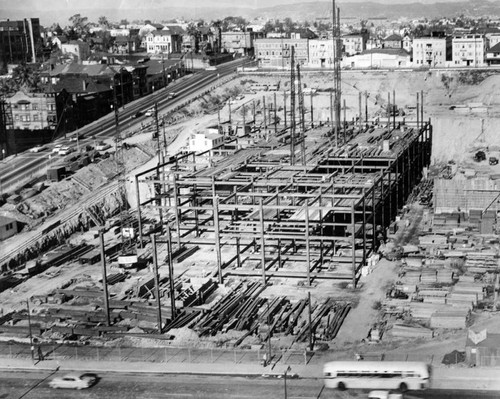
x=34, y=107
x=35, y=118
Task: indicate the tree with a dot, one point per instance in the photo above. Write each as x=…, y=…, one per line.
x=103, y=22
x=124, y=22
x=193, y=31
x=80, y=25
x=288, y=24
x=217, y=24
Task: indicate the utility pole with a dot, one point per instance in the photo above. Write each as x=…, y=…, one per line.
x=157, y=283
x=292, y=106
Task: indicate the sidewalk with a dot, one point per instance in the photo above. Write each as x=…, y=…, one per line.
x=443, y=377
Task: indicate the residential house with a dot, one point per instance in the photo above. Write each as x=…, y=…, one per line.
x=431, y=51
x=31, y=111
x=379, y=58
x=19, y=41
x=492, y=39
x=8, y=227
x=321, y=53
x=393, y=41
x=201, y=142
x=78, y=49
x=127, y=44
x=407, y=43
x=354, y=43
x=165, y=41
x=84, y=93
x=493, y=55
x=276, y=53
x=145, y=30
x=469, y=50
x=58, y=41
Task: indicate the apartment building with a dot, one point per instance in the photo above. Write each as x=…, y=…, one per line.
x=321, y=53
x=277, y=52
x=469, y=50
x=431, y=51
x=31, y=111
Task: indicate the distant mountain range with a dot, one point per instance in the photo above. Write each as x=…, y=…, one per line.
x=156, y=10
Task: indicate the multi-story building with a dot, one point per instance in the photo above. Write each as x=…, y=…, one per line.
x=19, y=41
x=469, y=50
x=321, y=53
x=276, y=53
x=431, y=51
x=238, y=42
x=31, y=111
x=354, y=43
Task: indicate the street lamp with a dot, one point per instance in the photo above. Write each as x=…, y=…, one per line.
x=288, y=369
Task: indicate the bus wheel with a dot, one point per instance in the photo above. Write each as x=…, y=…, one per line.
x=403, y=387
x=341, y=386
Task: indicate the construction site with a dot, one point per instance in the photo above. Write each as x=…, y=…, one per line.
x=266, y=238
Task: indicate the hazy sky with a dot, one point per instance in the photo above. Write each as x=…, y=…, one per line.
x=76, y=5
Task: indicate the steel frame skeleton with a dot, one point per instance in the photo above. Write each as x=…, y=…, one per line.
x=293, y=221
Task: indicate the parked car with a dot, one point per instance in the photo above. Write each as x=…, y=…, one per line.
x=172, y=95
x=138, y=114
x=38, y=148
x=64, y=150
x=102, y=146
x=211, y=68
x=74, y=381
x=150, y=112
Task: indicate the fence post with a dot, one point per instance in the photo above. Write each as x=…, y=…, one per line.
x=305, y=356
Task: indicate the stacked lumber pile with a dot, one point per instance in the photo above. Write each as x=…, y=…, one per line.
x=481, y=262
x=423, y=311
x=444, y=276
x=405, y=331
x=433, y=295
x=451, y=319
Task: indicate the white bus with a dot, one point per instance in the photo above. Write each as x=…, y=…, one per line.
x=379, y=375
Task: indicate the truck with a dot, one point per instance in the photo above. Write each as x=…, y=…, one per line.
x=56, y=173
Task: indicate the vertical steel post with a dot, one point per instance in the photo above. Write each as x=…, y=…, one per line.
x=104, y=277
x=157, y=283
x=262, y=241
x=217, y=236
x=139, y=215
x=308, y=248
x=171, y=275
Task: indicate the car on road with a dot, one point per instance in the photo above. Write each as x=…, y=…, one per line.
x=172, y=95
x=57, y=147
x=211, y=68
x=138, y=114
x=150, y=112
x=38, y=148
x=77, y=137
x=102, y=146
x=74, y=381
x=65, y=150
